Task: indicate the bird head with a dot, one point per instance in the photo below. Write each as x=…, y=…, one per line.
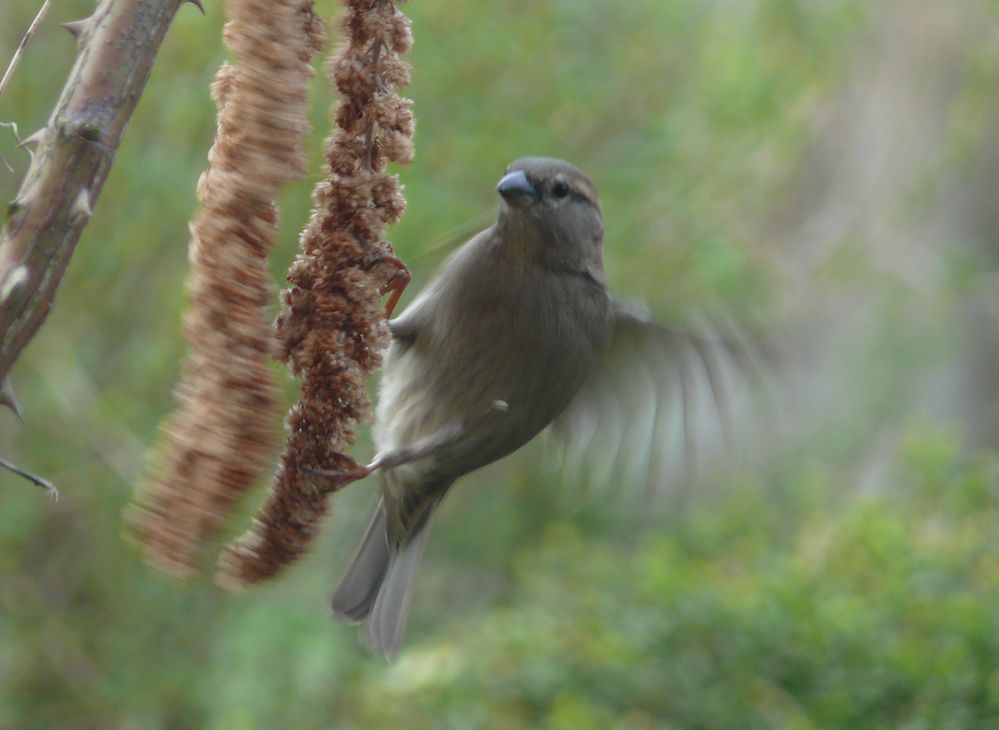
x=550, y=211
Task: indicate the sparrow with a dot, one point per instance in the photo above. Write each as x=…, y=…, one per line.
x=518, y=329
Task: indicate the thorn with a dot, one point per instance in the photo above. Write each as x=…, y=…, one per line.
x=9, y=285
x=15, y=206
x=80, y=210
x=197, y=4
x=36, y=138
x=43, y=483
x=7, y=398
x=77, y=27
x=14, y=218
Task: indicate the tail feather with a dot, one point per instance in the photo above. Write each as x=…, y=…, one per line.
x=387, y=621
x=377, y=586
x=355, y=595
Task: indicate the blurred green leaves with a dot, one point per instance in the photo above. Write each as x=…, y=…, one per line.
x=869, y=611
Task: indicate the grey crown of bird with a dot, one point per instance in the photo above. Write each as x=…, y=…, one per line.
x=487, y=356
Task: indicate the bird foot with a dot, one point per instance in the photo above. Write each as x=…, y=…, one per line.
x=335, y=479
x=397, y=282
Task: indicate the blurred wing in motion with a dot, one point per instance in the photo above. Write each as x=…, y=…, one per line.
x=663, y=403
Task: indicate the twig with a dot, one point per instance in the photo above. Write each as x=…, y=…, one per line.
x=43, y=483
x=42, y=12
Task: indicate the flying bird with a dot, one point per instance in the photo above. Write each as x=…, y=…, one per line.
x=517, y=331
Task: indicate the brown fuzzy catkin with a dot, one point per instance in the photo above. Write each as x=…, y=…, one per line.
x=332, y=329
x=220, y=436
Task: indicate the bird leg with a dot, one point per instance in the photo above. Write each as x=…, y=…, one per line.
x=421, y=449
x=338, y=478
x=396, y=283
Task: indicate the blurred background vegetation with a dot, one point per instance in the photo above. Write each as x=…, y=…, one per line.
x=831, y=165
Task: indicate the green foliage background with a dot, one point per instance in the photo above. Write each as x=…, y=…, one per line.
x=803, y=594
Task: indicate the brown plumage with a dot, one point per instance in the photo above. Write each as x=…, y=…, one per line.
x=518, y=326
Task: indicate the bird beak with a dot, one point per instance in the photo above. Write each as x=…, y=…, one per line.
x=517, y=190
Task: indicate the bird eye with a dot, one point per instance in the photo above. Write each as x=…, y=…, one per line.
x=560, y=189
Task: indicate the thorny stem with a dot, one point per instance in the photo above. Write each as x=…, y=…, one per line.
x=118, y=45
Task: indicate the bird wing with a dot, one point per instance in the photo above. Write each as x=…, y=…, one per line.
x=663, y=402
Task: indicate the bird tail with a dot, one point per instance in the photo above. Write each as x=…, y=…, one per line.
x=390, y=612
x=377, y=586
x=355, y=595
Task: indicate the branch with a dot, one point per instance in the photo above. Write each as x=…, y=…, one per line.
x=118, y=44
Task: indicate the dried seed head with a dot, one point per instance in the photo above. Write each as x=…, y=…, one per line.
x=331, y=330
x=222, y=434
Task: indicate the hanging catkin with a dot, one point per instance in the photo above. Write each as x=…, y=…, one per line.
x=332, y=327
x=219, y=438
